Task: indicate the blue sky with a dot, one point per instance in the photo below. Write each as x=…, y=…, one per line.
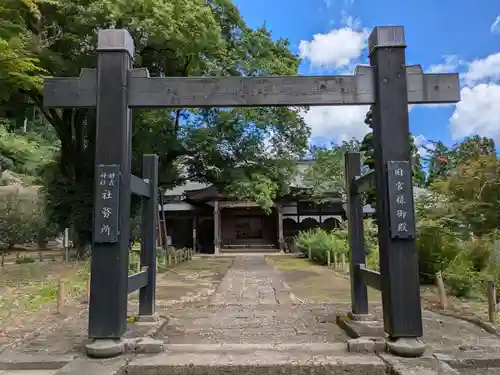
x=443, y=36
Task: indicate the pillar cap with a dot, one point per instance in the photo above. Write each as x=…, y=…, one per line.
x=115, y=40
x=386, y=36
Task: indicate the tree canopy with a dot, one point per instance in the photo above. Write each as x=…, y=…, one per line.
x=246, y=152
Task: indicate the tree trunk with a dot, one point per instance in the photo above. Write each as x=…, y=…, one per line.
x=79, y=245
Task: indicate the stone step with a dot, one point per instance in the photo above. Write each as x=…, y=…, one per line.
x=257, y=359
x=260, y=250
x=34, y=362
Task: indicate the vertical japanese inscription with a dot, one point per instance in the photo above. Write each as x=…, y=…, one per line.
x=400, y=199
x=106, y=214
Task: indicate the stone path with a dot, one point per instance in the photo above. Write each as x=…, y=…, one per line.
x=251, y=281
x=274, y=311
x=251, y=305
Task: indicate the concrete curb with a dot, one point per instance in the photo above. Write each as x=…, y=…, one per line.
x=35, y=361
x=86, y=366
x=246, y=359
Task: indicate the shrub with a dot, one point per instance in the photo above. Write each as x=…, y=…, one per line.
x=134, y=257
x=461, y=278
x=320, y=241
x=18, y=213
x=373, y=260
x=437, y=247
x=24, y=260
x=478, y=251
x=371, y=236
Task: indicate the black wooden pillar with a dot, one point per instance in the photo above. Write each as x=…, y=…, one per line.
x=398, y=254
x=148, y=236
x=359, y=295
x=108, y=290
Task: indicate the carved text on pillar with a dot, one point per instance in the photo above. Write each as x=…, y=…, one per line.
x=401, y=214
x=106, y=215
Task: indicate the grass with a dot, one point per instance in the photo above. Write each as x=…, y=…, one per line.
x=314, y=283
x=290, y=263
x=28, y=288
x=204, y=266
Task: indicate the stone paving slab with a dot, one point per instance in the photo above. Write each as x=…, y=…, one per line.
x=251, y=281
x=480, y=371
x=427, y=365
x=252, y=324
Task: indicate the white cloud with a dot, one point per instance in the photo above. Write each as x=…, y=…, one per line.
x=419, y=140
x=339, y=49
x=338, y=123
x=478, y=112
x=329, y=3
x=495, y=26
x=336, y=49
x=481, y=70
x=450, y=65
x=351, y=22
x=423, y=145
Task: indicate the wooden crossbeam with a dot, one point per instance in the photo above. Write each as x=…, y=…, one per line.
x=139, y=186
x=250, y=91
x=137, y=280
x=80, y=92
x=192, y=92
x=364, y=183
x=370, y=278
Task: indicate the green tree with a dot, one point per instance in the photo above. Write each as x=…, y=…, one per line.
x=438, y=161
x=472, y=189
x=442, y=159
x=325, y=178
x=18, y=215
x=20, y=71
x=248, y=152
x=369, y=163
x=24, y=154
x=416, y=164
x=473, y=148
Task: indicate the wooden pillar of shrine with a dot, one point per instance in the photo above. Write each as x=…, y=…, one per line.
x=216, y=227
x=281, y=238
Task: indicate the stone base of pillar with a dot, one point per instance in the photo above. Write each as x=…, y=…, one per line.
x=105, y=348
x=361, y=317
x=406, y=347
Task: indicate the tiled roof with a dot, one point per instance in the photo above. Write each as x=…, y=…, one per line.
x=297, y=182
x=189, y=185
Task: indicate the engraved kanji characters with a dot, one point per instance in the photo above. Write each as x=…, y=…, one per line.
x=107, y=179
x=106, y=212
x=106, y=194
x=106, y=229
x=400, y=200
x=108, y=183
